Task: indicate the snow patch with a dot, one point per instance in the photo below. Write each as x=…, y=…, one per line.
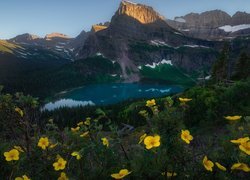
x=195, y=46
x=139, y=67
x=179, y=19
x=113, y=75
x=178, y=33
x=158, y=43
x=164, y=61
x=228, y=28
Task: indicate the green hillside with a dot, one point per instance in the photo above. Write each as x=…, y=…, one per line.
x=167, y=73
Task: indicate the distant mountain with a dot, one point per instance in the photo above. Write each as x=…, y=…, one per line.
x=56, y=42
x=214, y=24
x=138, y=35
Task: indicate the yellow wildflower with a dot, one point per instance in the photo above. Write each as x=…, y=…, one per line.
x=80, y=123
x=84, y=134
x=245, y=147
x=122, y=173
x=208, y=164
x=105, y=142
x=19, y=148
x=184, y=100
x=59, y=164
x=150, y=103
x=233, y=118
x=240, y=166
x=142, y=137
x=19, y=111
x=77, y=155
x=220, y=166
x=43, y=143
x=53, y=145
x=169, y=174
x=24, y=177
x=240, y=140
x=186, y=136
x=241, y=128
x=63, y=176
x=143, y=113
x=12, y=155
x=152, y=141
x=75, y=129
x=87, y=122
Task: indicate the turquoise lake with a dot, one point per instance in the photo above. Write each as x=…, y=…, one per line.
x=107, y=94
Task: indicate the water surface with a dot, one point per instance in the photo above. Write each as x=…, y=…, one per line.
x=106, y=94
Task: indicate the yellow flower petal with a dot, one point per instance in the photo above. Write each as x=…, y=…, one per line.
x=76, y=154
x=12, y=155
x=84, y=134
x=75, y=129
x=43, y=143
x=240, y=166
x=150, y=103
x=152, y=141
x=63, y=176
x=233, y=118
x=220, y=166
x=184, y=100
x=142, y=138
x=208, y=164
x=245, y=147
x=59, y=164
x=19, y=111
x=240, y=140
x=122, y=173
x=105, y=142
x=186, y=136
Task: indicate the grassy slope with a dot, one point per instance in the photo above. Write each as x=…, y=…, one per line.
x=167, y=73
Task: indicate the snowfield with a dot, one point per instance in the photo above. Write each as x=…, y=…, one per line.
x=228, y=28
x=164, y=61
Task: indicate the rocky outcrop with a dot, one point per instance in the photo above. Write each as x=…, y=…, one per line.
x=96, y=28
x=210, y=24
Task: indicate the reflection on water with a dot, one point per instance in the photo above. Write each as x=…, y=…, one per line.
x=105, y=94
x=67, y=103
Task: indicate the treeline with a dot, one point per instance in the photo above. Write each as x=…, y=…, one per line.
x=226, y=68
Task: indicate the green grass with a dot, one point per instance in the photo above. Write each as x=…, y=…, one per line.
x=7, y=47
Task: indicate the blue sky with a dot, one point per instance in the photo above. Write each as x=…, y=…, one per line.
x=70, y=17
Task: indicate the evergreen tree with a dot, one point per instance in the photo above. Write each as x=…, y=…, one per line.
x=220, y=69
x=242, y=67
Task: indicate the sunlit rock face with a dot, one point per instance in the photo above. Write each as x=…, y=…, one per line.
x=144, y=14
x=96, y=28
x=56, y=35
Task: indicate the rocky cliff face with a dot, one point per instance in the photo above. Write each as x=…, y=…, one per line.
x=211, y=24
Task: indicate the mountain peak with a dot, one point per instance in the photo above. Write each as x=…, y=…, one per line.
x=25, y=38
x=56, y=35
x=144, y=14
